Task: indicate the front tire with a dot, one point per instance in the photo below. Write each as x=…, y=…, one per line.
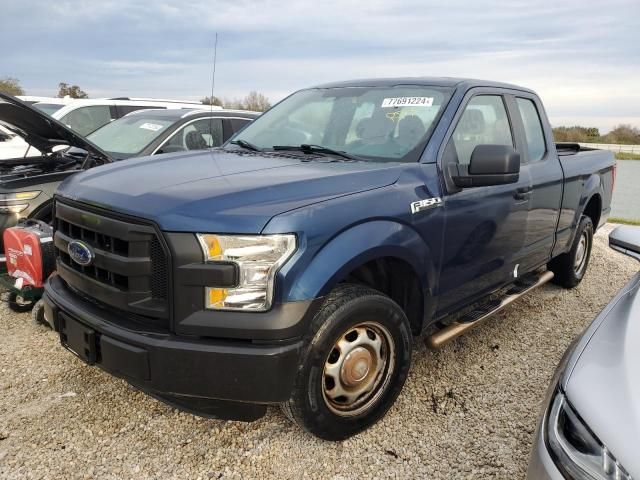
x=357, y=360
x=569, y=268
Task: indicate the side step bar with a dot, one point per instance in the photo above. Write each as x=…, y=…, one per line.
x=484, y=311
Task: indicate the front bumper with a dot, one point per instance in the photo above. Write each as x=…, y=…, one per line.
x=541, y=465
x=230, y=379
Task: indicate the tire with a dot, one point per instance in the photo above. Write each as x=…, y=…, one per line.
x=569, y=268
x=18, y=304
x=37, y=314
x=370, y=368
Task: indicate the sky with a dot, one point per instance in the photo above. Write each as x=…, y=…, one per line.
x=582, y=57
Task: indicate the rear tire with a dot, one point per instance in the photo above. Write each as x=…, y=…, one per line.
x=569, y=268
x=356, y=362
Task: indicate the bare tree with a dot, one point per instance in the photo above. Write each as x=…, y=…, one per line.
x=73, y=91
x=11, y=86
x=212, y=101
x=256, y=102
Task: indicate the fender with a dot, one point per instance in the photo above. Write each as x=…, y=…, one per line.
x=354, y=247
x=592, y=186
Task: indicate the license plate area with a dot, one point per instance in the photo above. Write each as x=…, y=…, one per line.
x=78, y=339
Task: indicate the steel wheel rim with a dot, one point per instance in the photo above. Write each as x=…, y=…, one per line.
x=358, y=369
x=581, y=253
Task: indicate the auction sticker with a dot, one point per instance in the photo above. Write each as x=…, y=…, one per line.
x=151, y=126
x=407, y=102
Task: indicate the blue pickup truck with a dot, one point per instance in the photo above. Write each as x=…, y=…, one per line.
x=293, y=265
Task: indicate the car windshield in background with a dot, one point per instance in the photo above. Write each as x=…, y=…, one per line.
x=371, y=123
x=128, y=136
x=48, y=108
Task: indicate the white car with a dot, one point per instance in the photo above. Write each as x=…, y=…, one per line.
x=86, y=115
x=11, y=145
x=48, y=105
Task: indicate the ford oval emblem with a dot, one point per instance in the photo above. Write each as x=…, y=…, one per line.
x=80, y=252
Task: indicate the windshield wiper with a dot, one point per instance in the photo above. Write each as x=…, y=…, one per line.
x=305, y=148
x=245, y=144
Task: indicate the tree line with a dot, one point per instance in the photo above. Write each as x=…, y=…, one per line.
x=621, y=134
x=254, y=101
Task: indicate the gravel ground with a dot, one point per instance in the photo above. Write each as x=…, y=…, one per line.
x=467, y=411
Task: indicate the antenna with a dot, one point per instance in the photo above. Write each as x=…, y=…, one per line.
x=213, y=84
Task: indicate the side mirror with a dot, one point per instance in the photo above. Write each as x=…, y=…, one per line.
x=489, y=165
x=626, y=239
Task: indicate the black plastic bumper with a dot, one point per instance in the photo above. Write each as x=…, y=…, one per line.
x=217, y=378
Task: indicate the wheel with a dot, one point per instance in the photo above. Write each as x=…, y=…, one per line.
x=569, y=268
x=38, y=314
x=356, y=361
x=18, y=304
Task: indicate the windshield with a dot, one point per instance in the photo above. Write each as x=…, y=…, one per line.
x=48, y=108
x=128, y=136
x=373, y=123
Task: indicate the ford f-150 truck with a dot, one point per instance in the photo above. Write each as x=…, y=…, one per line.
x=293, y=265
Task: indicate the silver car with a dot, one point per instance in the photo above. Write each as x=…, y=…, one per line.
x=591, y=425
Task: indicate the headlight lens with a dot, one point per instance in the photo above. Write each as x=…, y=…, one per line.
x=7, y=197
x=575, y=448
x=258, y=258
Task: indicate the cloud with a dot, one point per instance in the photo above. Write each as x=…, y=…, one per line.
x=581, y=56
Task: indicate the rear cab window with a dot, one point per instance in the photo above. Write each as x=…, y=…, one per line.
x=534, y=134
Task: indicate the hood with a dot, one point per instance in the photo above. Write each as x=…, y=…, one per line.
x=40, y=130
x=602, y=380
x=223, y=191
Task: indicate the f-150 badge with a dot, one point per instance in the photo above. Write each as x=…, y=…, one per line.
x=417, y=207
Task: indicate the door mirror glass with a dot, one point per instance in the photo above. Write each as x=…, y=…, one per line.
x=626, y=239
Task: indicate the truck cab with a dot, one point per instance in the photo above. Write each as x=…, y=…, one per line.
x=293, y=265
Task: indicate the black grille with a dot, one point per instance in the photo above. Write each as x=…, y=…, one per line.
x=159, y=274
x=130, y=267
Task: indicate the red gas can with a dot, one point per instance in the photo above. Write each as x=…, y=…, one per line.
x=29, y=252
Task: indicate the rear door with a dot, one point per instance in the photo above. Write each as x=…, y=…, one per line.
x=542, y=162
x=485, y=226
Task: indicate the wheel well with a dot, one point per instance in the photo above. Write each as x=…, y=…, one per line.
x=594, y=209
x=396, y=279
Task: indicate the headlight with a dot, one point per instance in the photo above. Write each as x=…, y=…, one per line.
x=575, y=449
x=258, y=258
x=13, y=208
x=7, y=197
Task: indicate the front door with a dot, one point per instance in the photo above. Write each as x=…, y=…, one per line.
x=485, y=227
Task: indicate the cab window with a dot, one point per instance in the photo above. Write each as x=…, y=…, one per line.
x=201, y=134
x=534, y=135
x=484, y=122
x=85, y=120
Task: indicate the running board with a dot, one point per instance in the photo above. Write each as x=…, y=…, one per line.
x=486, y=310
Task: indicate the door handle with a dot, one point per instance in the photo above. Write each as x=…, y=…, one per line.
x=522, y=193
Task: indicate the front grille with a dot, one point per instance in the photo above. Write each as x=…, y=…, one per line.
x=130, y=266
x=159, y=274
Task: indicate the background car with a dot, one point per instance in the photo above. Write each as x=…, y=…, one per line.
x=148, y=132
x=592, y=420
x=86, y=116
x=48, y=105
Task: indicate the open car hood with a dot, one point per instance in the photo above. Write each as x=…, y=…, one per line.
x=39, y=130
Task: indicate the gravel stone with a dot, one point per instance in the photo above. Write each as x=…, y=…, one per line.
x=467, y=411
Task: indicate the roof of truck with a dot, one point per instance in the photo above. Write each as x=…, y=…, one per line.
x=430, y=81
